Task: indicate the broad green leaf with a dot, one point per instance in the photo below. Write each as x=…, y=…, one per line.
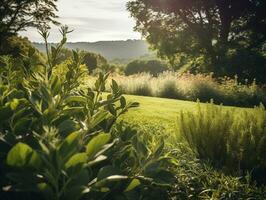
x=134, y=183
x=70, y=145
x=96, y=144
x=76, y=159
x=97, y=119
x=22, y=155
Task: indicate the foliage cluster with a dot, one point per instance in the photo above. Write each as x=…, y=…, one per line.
x=94, y=63
x=18, y=15
x=58, y=142
x=195, y=179
x=153, y=67
x=233, y=142
x=18, y=46
x=218, y=33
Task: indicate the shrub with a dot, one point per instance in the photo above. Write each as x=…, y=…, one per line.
x=231, y=141
x=194, y=179
x=153, y=67
x=199, y=86
x=140, y=87
x=57, y=140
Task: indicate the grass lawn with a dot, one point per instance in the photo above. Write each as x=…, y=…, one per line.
x=159, y=115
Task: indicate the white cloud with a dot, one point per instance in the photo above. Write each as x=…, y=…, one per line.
x=92, y=20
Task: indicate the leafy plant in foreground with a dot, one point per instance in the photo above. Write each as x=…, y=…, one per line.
x=56, y=138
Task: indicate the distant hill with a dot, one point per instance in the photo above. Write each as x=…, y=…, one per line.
x=128, y=49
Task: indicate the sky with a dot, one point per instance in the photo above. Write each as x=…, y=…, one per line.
x=92, y=20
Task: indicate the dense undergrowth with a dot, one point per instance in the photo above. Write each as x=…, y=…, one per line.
x=197, y=178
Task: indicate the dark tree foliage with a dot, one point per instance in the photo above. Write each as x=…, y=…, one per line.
x=193, y=28
x=16, y=15
x=93, y=60
x=19, y=47
x=153, y=67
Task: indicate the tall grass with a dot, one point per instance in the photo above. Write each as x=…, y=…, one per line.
x=192, y=87
x=234, y=142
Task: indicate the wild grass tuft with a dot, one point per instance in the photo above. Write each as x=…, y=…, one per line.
x=228, y=140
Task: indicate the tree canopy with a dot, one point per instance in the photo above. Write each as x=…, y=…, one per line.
x=192, y=28
x=154, y=67
x=16, y=15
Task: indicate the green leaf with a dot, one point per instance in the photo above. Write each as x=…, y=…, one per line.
x=107, y=171
x=67, y=126
x=97, y=160
x=78, y=99
x=134, y=183
x=78, y=158
x=22, y=155
x=55, y=85
x=73, y=110
x=14, y=104
x=114, y=86
x=96, y=144
x=123, y=102
x=70, y=145
x=97, y=119
x=109, y=179
x=112, y=109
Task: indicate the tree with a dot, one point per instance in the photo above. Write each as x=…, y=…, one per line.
x=16, y=15
x=93, y=60
x=192, y=28
x=153, y=67
x=19, y=47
